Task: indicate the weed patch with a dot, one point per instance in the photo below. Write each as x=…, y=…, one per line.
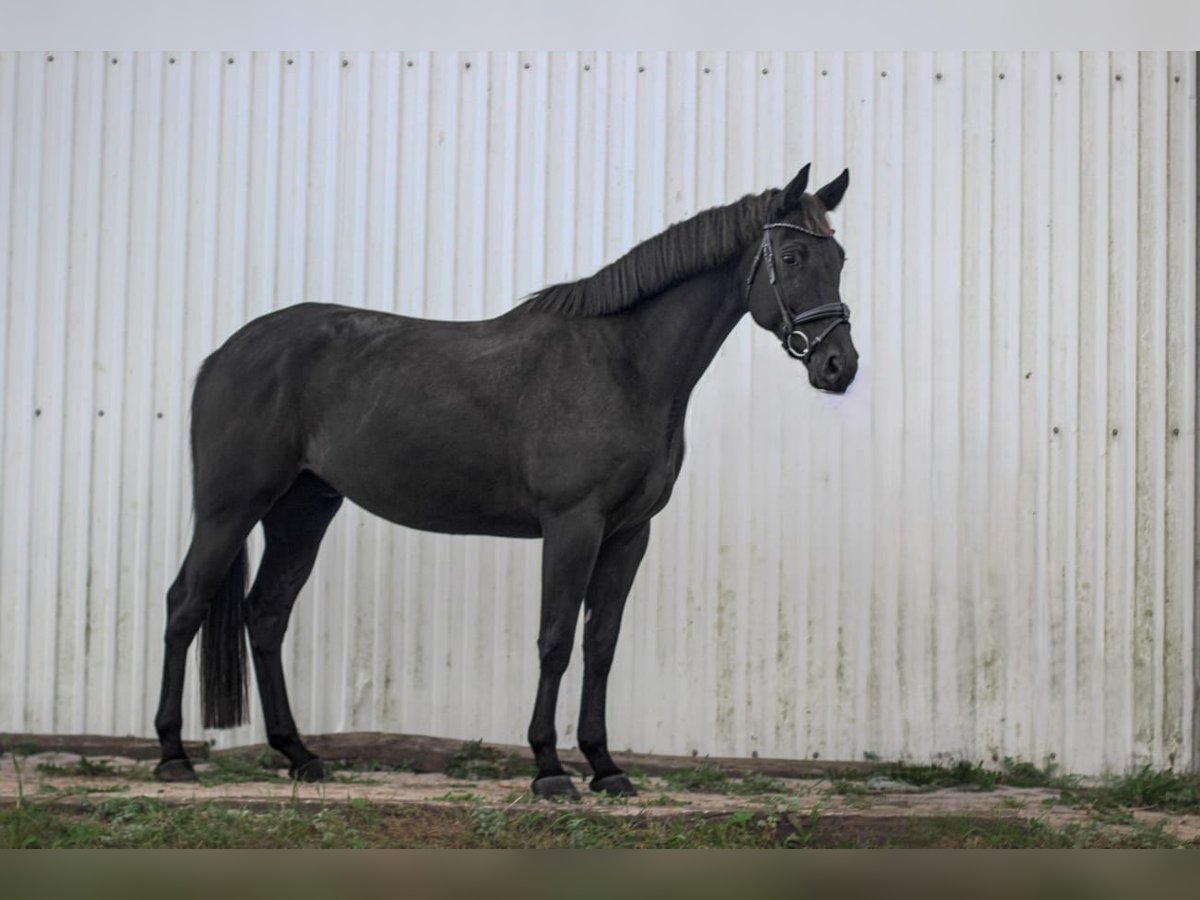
x=240, y=769
x=85, y=768
x=474, y=760
x=709, y=778
x=1144, y=789
x=962, y=775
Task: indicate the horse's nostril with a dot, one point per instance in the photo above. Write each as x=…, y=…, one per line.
x=833, y=366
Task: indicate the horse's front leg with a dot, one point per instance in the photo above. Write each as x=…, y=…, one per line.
x=569, y=548
x=616, y=565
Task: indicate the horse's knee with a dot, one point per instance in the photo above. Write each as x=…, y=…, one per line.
x=554, y=653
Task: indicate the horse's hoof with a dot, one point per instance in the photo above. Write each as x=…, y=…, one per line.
x=313, y=770
x=555, y=787
x=617, y=785
x=175, y=770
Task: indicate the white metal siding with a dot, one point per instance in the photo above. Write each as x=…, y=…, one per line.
x=985, y=549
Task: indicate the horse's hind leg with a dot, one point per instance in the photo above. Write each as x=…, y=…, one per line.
x=214, y=569
x=294, y=528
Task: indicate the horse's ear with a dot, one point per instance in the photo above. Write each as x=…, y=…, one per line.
x=831, y=195
x=789, y=197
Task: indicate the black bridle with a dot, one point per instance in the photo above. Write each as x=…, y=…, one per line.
x=838, y=312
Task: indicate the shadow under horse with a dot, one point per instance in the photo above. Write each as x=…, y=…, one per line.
x=561, y=419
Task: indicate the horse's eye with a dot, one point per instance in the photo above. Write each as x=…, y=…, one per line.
x=789, y=258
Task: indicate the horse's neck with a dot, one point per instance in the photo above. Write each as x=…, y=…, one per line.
x=680, y=331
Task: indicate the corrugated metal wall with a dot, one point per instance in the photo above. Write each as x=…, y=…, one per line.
x=986, y=547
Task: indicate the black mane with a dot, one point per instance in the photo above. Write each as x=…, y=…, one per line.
x=705, y=241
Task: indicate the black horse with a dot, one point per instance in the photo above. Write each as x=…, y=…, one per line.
x=561, y=419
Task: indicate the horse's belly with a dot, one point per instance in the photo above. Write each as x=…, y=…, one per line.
x=430, y=493
x=460, y=521
x=426, y=510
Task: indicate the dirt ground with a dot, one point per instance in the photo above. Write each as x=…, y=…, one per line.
x=55, y=777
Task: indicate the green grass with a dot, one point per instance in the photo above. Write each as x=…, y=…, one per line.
x=342, y=773
x=709, y=778
x=234, y=768
x=706, y=778
x=1145, y=789
x=147, y=823
x=95, y=815
x=80, y=790
x=1018, y=773
x=961, y=775
x=474, y=760
x=758, y=784
x=492, y=828
x=85, y=768
x=266, y=765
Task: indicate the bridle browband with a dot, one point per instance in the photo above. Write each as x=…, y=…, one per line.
x=839, y=312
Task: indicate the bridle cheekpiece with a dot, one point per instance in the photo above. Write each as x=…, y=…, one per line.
x=838, y=312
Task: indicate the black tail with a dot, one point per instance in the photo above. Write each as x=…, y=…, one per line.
x=223, y=652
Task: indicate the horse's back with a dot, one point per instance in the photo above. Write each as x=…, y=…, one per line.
x=407, y=417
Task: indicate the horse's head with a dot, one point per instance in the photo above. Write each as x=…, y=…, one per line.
x=792, y=283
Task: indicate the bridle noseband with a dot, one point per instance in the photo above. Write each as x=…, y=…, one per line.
x=838, y=312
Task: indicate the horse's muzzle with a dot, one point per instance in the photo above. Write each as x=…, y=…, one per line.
x=833, y=372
